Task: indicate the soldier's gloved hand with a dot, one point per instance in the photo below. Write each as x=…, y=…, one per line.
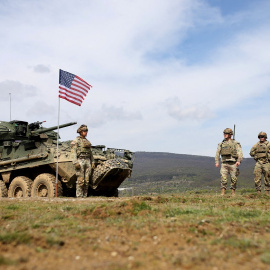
x=77, y=166
x=93, y=166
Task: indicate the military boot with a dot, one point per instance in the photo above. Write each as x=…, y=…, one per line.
x=258, y=192
x=222, y=192
x=233, y=192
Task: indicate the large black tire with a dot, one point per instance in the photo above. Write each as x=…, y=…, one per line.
x=3, y=189
x=44, y=186
x=20, y=187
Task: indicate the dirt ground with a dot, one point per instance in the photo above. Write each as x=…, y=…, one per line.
x=135, y=233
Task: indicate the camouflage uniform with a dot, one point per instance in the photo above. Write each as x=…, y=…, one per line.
x=82, y=159
x=128, y=155
x=261, y=153
x=230, y=152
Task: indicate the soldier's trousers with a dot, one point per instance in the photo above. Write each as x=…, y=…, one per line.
x=83, y=175
x=229, y=168
x=259, y=170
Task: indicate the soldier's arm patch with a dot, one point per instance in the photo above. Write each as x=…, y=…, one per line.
x=74, y=142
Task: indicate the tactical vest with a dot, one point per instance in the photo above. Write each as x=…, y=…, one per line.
x=83, y=148
x=228, y=150
x=261, y=150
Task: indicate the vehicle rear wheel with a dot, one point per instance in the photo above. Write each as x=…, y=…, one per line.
x=44, y=186
x=20, y=187
x=3, y=189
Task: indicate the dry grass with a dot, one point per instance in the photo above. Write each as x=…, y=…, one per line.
x=181, y=231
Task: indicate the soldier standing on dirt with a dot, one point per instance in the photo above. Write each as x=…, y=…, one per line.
x=261, y=153
x=231, y=157
x=83, y=161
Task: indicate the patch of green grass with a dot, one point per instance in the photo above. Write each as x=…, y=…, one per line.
x=55, y=241
x=178, y=212
x=40, y=249
x=6, y=261
x=86, y=211
x=201, y=191
x=234, y=242
x=8, y=216
x=67, y=208
x=246, y=191
x=36, y=226
x=246, y=213
x=140, y=206
x=17, y=237
x=82, y=229
x=192, y=229
x=242, y=244
x=265, y=257
x=12, y=207
x=50, y=230
x=58, y=217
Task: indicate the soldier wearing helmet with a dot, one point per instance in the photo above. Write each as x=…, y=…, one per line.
x=231, y=157
x=83, y=161
x=261, y=153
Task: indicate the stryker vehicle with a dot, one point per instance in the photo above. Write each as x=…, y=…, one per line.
x=28, y=163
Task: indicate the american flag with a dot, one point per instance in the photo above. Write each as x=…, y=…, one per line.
x=72, y=88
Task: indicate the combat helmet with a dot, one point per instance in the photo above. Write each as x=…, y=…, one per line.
x=82, y=128
x=228, y=131
x=262, y=134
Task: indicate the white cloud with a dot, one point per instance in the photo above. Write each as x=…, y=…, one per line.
x=144, y=88
x=41, y=68
x=193, y=112
x=111, y=114
x=40, y=108
x=17, y=90
x=118, y=113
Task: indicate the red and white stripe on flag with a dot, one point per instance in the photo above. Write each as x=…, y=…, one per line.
x=72, y=88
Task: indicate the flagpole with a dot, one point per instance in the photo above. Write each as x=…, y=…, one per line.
x=66, y=80
x=57, y=151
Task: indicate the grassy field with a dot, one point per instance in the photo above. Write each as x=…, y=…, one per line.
x=176, y=231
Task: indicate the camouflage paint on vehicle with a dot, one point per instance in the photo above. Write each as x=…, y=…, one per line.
x=28, y=158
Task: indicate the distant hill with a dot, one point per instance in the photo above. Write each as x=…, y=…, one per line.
x=167, y=172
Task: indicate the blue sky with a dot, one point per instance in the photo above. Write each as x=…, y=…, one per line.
x=167, y=76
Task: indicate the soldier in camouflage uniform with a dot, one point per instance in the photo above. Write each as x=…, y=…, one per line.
x=231, y=157
x=261, y=153
x=83, y=161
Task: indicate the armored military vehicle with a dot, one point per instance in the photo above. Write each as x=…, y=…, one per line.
x=28, y=163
